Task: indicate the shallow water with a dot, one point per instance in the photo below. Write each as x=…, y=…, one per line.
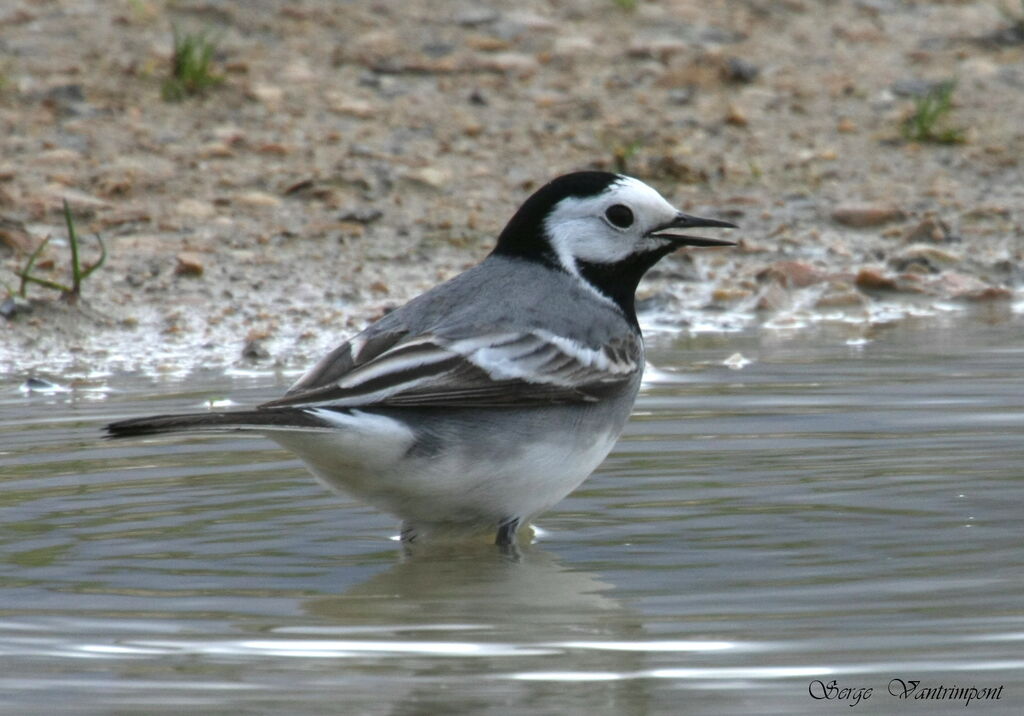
x=836, y=509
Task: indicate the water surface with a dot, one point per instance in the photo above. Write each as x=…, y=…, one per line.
x=835, y=510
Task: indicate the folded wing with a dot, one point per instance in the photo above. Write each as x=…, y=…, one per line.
x=491, y=370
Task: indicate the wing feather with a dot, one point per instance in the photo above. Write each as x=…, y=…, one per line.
x=490, y=370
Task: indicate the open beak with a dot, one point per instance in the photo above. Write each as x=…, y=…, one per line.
x=685, y=221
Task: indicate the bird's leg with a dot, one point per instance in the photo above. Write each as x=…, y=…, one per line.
x=507, y=532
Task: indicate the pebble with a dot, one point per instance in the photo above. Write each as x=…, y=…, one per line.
x=13, y=305
x=430, y=177
x=681, y=95
x=350, y=106
x=487, y=43
x=215, y=150
x=58, y=156
x=189, y=264
x=254, y=350
x=865, y=215
x=841, y=296
x=963, y=287
x=872, y=280
x=931, y=229
x=14, y=236
x=792, y=274
x=738, y=70
x=361, y=215
x=195, y=208
x=79, y=201
x=513, y=63
x=736, y=117
x=915, y=87
x=271, y=96
x=41, y=385
x=926, y=254
x=257, y=199
x=662, y=49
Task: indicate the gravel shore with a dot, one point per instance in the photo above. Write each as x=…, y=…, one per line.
x=356, y=154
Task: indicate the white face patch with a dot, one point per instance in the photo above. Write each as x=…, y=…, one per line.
x=579, y=229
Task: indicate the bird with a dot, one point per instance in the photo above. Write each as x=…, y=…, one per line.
x=489, y=398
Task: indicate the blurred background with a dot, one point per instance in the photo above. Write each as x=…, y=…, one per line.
x=260, y=172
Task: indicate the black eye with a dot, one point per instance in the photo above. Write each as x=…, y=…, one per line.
x=620, y=215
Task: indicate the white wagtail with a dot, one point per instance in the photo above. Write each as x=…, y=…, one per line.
x=492, y=396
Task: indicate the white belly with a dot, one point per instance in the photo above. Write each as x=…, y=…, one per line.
x=368, y=456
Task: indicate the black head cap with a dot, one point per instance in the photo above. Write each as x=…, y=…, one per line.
x=523, y=236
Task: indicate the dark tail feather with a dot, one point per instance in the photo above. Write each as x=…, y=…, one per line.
x=279, y=418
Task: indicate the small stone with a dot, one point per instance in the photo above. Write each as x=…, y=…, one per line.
x=990, y=293
x=123, y=215
x=792, y=274
x=846, y=126
x=273, y=149
x=13, y=305
x=487, y=43
x=15, y=236
x=58, y=156
x=269, y=95
x=429, y=177
x=215, y=150
x=681, y=95
x=230, y=134
x=931, y=229
x=79, y=201
x=844, y=297
x=254, y=350
x=931, y=257
x=661, y=49
x=874, y=280
x=41, y=385
x=340, y=103
x=735, y=117
x=736, y=69
x=915, y=87
x=864, y=215
x=963, y=287
x=195, y=208
x=189, y=264
x=989, y=211
x=513, y=63
x=361, y=215
x=257, y=199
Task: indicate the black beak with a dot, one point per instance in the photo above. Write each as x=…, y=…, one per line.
x=685, y=221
